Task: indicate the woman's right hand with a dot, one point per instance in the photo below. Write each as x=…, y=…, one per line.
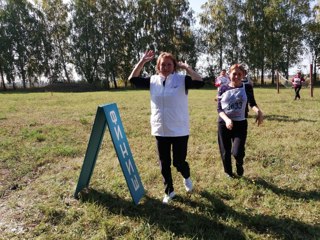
x=229, y=123
x=227, y=120
x=148, y=56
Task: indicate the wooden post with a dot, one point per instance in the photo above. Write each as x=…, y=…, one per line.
x=311, y=80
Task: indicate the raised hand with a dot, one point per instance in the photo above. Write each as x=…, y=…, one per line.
x=182, y=65
x=148, y=56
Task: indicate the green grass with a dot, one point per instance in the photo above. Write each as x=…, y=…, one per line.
x=44, y=136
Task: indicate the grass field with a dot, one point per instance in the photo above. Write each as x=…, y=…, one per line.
x=44, y=136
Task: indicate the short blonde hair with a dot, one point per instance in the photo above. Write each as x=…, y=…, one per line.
x=166, y=55
x=239, y=66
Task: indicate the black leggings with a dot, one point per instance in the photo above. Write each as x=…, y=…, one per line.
x=232, y=142
x=297, y=91
x=179, y=147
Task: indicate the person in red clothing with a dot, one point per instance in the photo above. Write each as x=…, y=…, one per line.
x=222, y=79
x=297, y=81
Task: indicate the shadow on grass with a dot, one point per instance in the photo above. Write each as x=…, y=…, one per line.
x=311, y=195
x=167, y=217
x=278, y=228
x=283, y=118
x=207, y=225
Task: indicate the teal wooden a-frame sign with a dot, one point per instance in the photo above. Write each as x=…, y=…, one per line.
x=109, y=114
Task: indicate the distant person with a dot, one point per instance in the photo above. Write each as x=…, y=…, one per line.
x=232, y=121
x=246, y=79
x=297, y=82
x=169, y=113
x=221, y=80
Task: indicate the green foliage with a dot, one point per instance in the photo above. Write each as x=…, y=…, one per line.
x=214, y=19
x=102, y=40
x=278, y=197
x=26, y=48
x=267, y=35
x=313, y=37
x=58, y=28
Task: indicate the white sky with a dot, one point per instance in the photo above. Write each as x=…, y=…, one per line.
x=196, y=4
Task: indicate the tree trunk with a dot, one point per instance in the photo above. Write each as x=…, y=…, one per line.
x=114, y=81
x=261, y=76
x=287, y=63
x=64, y=64
x=2, y=80
x=107, y=83
x=66, y=72
x=315, y=65
x=272, y=73
x=23, y=75
x=220, y=58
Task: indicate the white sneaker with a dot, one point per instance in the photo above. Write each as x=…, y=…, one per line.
x=188, y=184
x=167, y=198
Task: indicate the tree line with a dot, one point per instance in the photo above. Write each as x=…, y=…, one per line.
x=101, y=40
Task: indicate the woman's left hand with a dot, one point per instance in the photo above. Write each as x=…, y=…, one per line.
x=183, y=65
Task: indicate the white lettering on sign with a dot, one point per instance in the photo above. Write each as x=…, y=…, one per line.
x=117, y=128
x=118, y=132
x=124, y=151
x=113, y=117
x=129, y=166
x=135, y=182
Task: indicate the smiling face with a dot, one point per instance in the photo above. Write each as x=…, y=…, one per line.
x=236, y=74
x=166, y=64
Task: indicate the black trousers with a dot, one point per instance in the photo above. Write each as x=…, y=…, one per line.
x=232, y=142
x=297, y=91
x=179, y=146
